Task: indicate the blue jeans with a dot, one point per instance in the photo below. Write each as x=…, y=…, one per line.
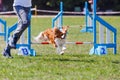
x=23, y=22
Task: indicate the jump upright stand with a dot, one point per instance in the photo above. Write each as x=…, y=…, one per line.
x=88, y=27
x=101, y=47
x=57, y=21
x=24, y=48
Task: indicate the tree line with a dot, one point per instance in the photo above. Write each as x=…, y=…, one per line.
x=69, y=5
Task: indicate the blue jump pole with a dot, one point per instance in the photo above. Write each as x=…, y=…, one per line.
x=59, y=15
x=94, y=24
x=88, y=20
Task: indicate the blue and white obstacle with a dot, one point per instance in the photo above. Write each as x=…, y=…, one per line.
x=57, y=21
x=3, y=28
x=88, y=27
x=101, y=47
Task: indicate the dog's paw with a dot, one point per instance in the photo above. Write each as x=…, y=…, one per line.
x=61, y=53
x=64, y=48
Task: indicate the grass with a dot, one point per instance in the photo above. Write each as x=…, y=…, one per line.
x=75, y=64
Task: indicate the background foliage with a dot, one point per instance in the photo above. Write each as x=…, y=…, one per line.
x=69, y=5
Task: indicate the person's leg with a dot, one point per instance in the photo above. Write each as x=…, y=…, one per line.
x=23, y=23
x=6, y=52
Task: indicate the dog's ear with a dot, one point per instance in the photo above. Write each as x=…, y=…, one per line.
x=42, y=34
x=68, y=27
x=55, y=28
x=65, y=27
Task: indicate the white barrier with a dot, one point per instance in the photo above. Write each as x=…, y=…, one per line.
x=65, y=12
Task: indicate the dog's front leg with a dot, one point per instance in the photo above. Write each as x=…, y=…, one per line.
x=59, y=50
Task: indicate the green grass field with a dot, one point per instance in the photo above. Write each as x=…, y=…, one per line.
x=75, y=64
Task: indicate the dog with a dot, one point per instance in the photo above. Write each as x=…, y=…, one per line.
x=55, y=36
x=61, y=41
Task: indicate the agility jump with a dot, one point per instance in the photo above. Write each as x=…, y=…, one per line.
x=101, y=46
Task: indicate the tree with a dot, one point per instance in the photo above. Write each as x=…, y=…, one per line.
x=109, y=5
x=8, y=4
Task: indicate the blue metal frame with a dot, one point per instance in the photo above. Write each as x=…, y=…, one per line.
x=5, y=29
x=108, y=26
x=60, y=14
x=87, y=14
x=113, y=30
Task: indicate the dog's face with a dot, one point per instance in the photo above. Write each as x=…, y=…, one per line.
x=64, y=29
x=59, y=33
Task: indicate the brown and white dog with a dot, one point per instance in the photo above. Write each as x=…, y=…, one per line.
x=55, y=36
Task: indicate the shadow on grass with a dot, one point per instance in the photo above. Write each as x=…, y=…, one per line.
x=116, y=62
x=73, y=60
x=66, y=58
